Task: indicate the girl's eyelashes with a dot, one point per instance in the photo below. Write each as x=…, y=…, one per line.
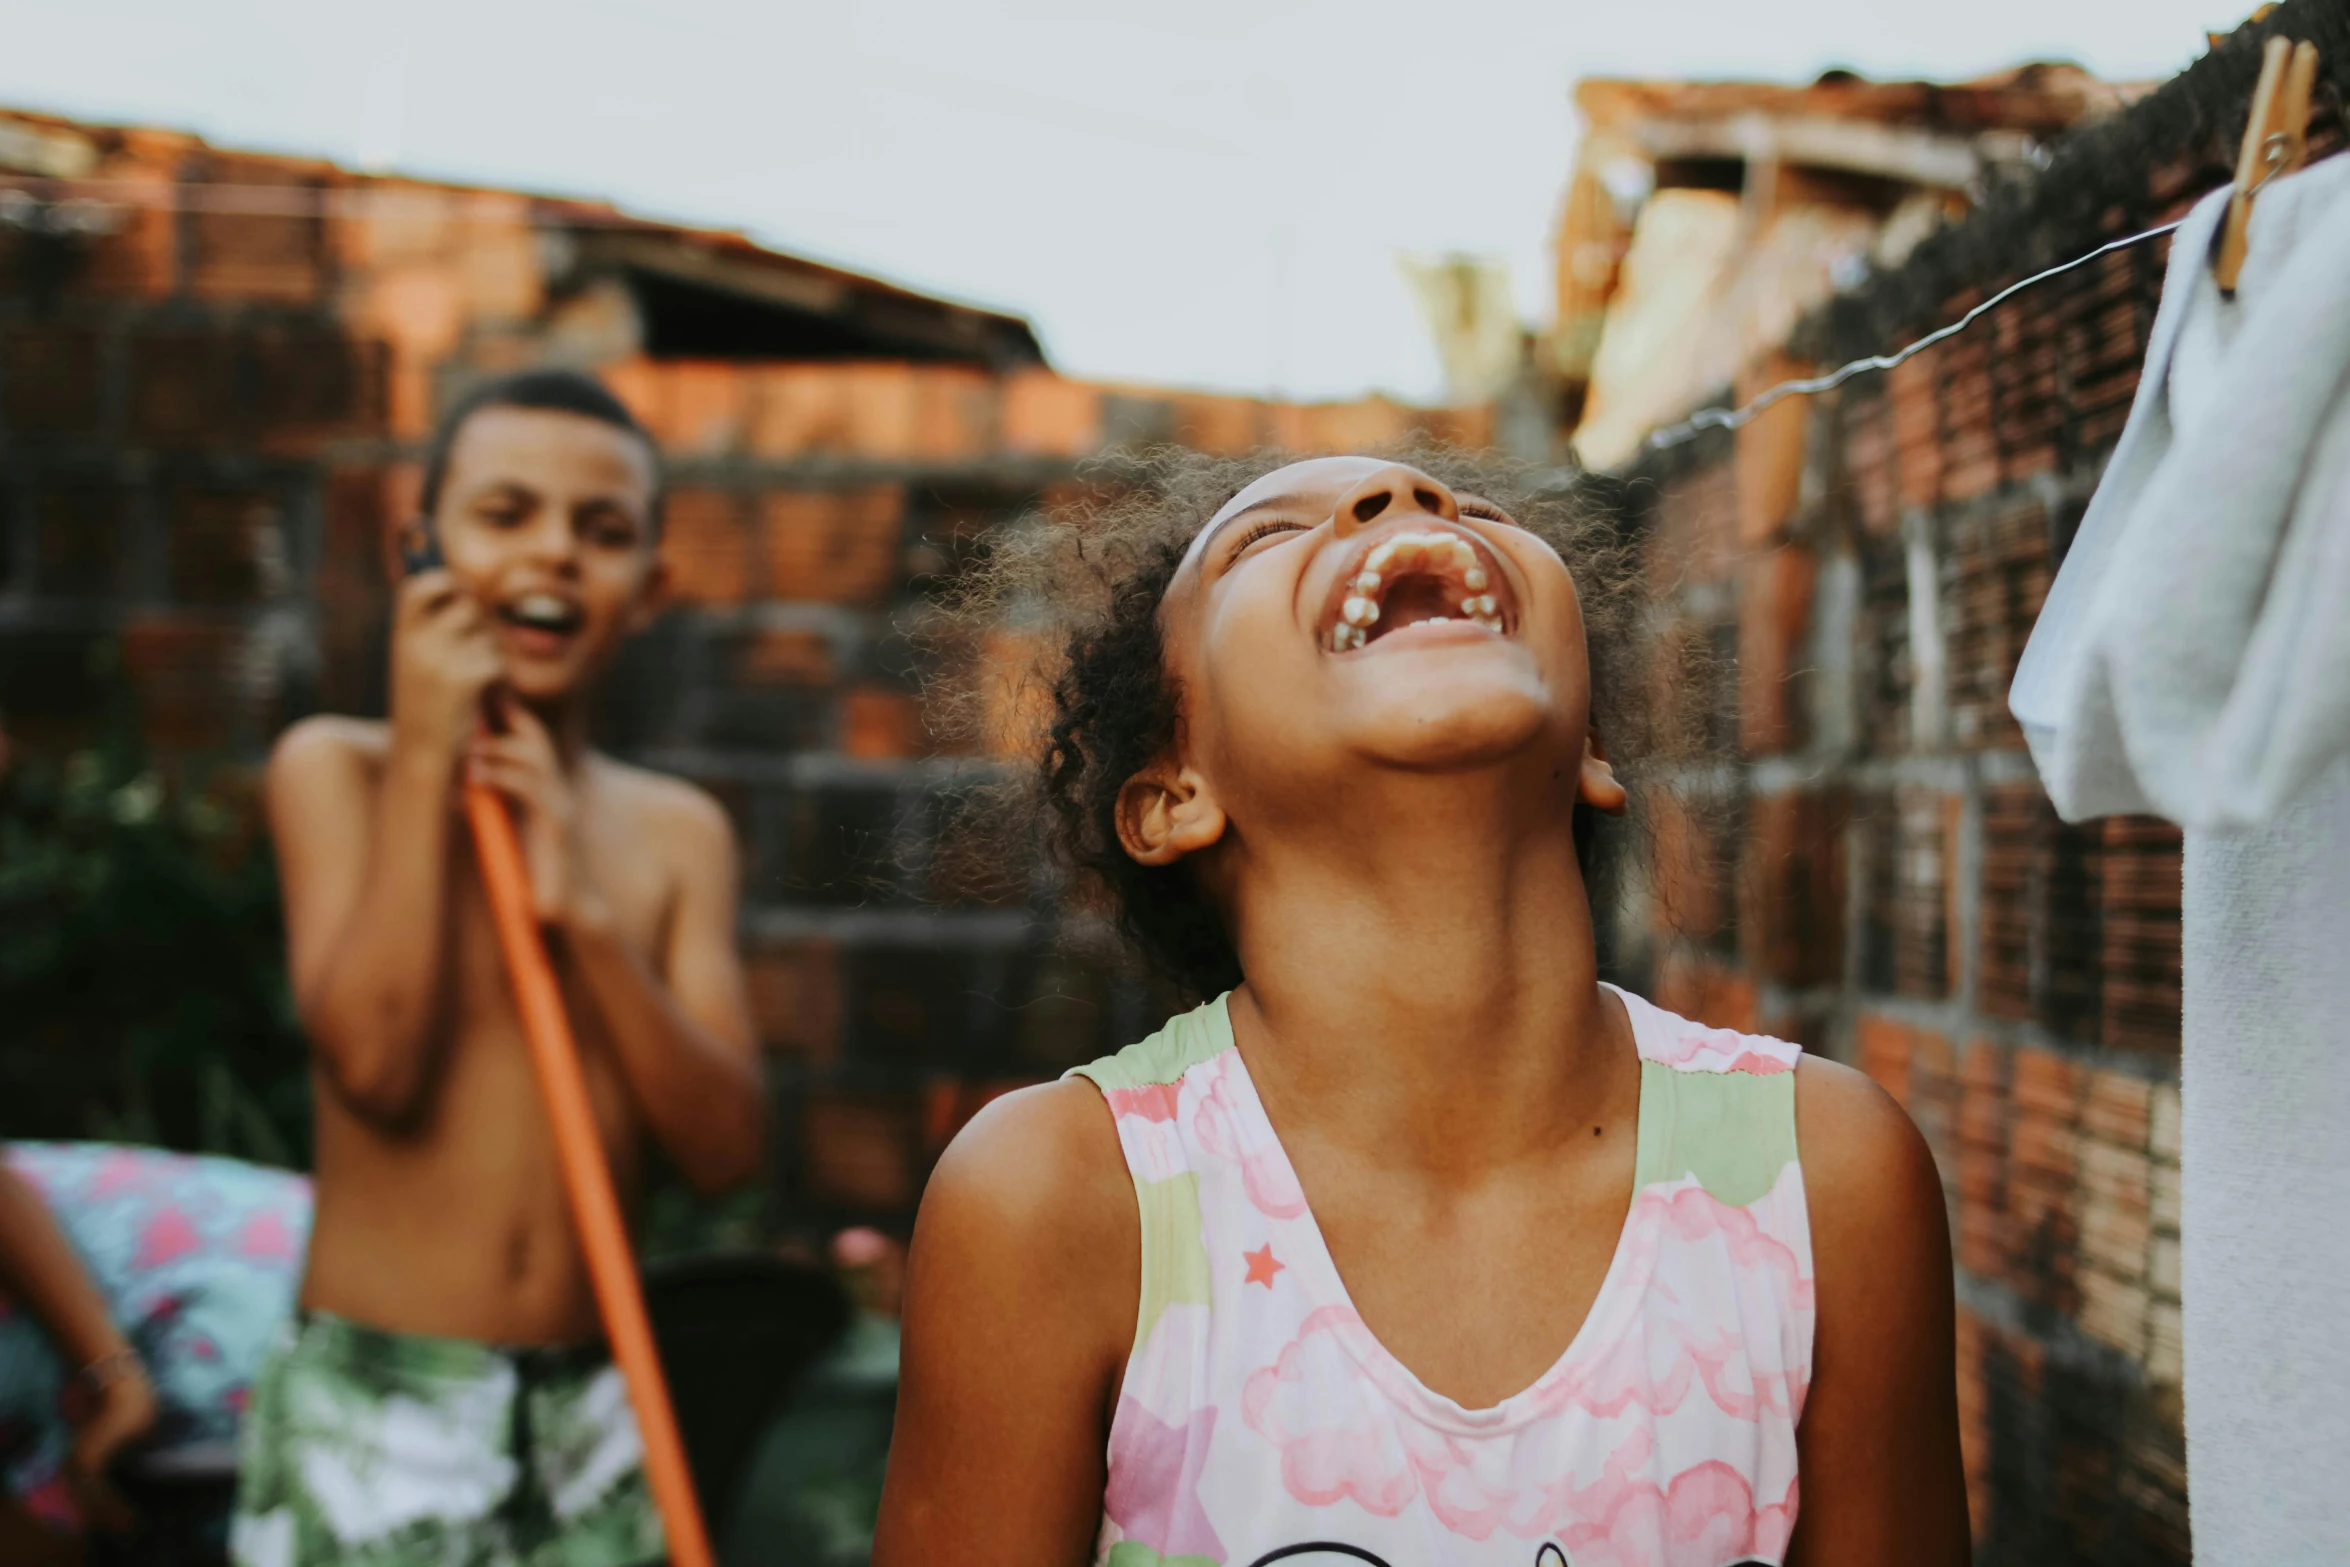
x=1262, y=530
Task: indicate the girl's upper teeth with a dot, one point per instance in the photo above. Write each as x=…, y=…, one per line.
x=1404, y=552
x=542, y=606
x=1413, y=549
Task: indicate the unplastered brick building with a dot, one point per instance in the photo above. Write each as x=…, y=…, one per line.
x=217, y=370
x=1876, y=871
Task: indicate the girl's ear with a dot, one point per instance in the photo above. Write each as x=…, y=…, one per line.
x=1166, y=812
x=1595, y=781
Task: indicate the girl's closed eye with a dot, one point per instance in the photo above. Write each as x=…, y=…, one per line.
x=1262, y=530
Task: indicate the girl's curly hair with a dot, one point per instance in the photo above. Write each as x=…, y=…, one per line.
x=1053, y=640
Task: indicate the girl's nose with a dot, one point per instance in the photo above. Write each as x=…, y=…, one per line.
x=1391, y=491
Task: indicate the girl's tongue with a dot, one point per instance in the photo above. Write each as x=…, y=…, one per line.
x=1411, y=601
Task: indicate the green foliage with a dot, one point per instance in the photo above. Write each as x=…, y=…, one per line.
x=143, y=993
x=676, y=1221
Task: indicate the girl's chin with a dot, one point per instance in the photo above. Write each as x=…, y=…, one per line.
x=1456, y=738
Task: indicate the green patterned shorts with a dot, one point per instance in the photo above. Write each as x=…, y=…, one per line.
x=365, y=1448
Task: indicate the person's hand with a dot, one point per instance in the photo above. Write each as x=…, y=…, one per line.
x=444, y=656
x=116, y=1415
x=523, y=765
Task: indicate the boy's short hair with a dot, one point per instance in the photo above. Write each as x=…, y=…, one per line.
x=557, y=391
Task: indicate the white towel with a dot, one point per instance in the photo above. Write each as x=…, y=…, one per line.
x=2193, y=661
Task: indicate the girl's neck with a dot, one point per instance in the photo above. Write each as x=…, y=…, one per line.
x=1424, y=975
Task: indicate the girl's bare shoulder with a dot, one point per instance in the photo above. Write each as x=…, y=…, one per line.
x=1857, y=1141
x=1879, y=1226
x=1021, y=1295
x=1038, y=1168
x=1031, y=1211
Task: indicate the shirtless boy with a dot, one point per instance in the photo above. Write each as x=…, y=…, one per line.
x=443, y=1396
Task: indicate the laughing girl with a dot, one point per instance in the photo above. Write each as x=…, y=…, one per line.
x=1417, y=1243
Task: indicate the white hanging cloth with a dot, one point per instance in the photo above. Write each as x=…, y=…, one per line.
x=2193, y=661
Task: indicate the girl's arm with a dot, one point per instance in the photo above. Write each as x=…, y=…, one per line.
x=1021, y=1296
x=1882, y=1482
x=39, y=1267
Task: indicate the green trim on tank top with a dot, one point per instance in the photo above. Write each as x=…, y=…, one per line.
x=1174, y=1250
x=1174, y=1235
x=1133, y=1553
x=1198, y=1035
x=1733, y=1131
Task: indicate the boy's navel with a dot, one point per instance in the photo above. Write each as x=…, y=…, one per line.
x=518, y=1253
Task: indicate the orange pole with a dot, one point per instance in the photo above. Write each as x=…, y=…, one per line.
x=595, y=1208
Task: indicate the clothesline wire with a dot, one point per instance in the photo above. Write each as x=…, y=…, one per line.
x=1731, y=418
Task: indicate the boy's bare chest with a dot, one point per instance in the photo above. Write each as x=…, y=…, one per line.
x=489, y=1068
x=620, y=853
x=614, y=854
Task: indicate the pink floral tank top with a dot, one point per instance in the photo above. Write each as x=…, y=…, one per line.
x=1260, y=1421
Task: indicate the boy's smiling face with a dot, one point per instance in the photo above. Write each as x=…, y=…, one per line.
x=1349, y=611
x=546, y=517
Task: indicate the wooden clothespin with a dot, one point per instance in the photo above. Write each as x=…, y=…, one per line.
x=2276, y=141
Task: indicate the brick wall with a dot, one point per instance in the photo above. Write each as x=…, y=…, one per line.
x=1905, y=898
x=175, y=394
x=1881, y=875
x=211, y=403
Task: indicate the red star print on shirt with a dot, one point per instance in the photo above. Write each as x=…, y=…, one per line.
x=1262, y=1265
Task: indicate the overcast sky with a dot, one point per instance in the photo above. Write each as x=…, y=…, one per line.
x=1208, y=193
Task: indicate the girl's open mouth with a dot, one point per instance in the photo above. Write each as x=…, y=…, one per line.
x=1423, y=577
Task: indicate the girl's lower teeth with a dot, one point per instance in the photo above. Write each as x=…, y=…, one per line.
x=1352, y=633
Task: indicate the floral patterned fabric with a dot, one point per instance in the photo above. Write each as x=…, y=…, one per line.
x=366, y=1448
x=198, y=1259
x=1260, y=1420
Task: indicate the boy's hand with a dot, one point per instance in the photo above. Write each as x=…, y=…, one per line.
x=444, y=655
x=523, y=765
